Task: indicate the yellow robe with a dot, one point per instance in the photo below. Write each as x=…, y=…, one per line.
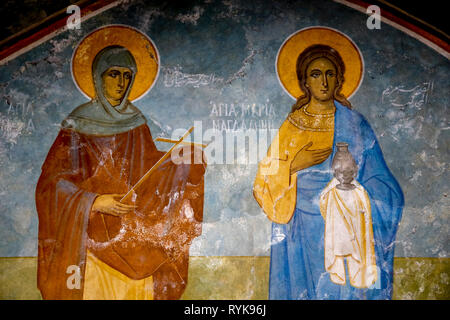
x=105, y=283
x=275, y=189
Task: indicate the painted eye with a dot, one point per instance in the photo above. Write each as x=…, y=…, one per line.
x=127, y=76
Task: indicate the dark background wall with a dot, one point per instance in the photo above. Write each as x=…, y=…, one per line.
x=19, y=15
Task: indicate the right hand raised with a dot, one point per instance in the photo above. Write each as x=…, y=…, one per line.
x=306, y=158
x=110, y=204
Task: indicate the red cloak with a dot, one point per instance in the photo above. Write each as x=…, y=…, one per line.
x=152, y=240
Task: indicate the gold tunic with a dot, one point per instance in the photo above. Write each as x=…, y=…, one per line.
x=105, y=283
x=275, y=189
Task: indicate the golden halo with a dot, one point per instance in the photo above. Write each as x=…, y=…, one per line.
x=140, y=46
x=302, y=39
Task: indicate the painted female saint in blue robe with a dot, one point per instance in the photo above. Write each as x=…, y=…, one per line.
x=297, y=268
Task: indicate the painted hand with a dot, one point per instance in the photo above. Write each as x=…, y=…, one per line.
x=109, y=204
x=306, y=158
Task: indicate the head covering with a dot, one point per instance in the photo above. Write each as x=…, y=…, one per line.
x=99, y=117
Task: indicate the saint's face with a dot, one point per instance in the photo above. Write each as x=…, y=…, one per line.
x=321, y=79
x=115, y=83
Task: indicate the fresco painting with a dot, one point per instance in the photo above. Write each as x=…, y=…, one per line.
x=306, y=232
x=121, y=179
x=108, y=201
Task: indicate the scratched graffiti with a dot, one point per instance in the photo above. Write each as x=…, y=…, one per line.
x=17, y=121
x=402, y=97
x=191, y=17
x=174, y=77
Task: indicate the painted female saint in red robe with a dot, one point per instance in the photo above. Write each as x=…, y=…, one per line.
x=104, y=147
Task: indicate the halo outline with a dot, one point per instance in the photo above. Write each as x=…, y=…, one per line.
x=117, y=25
x=363, y=67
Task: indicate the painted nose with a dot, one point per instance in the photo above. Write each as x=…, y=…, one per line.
x=324, y=81
x=121, y=82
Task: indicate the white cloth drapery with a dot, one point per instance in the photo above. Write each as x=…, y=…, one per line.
x=348, y=234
